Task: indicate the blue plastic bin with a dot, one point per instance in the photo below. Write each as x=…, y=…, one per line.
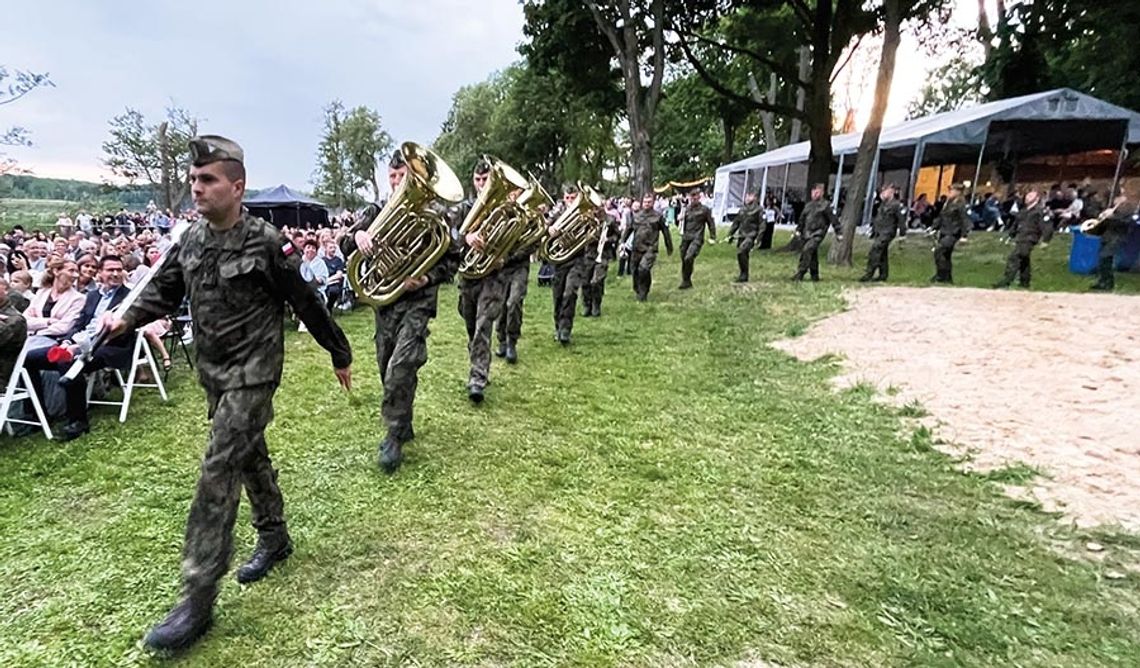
x=1082, y=257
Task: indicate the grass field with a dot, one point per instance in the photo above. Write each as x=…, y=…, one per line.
x=668, y=491
x=33, y=214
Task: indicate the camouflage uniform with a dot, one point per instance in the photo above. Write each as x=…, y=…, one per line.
x=889, y=221
x=647, y=224
x=1113, y=232
x=697, y=217
x=401, y=335
x=817, y=216
x=747, y=227
x=602, y=252
x=480, y=304
x=515, y=277
x=568, y=278
x=13, y=333
x=238, y=281
x=1030, y=224
x=951, y=226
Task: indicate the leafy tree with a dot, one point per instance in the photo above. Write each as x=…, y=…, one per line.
x=366, y=144
x=20, y=83
x=156, y=153
x=352, y=143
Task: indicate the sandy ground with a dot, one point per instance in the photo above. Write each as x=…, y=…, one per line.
x=1048, y=379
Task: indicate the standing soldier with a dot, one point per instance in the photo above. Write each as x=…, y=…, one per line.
x=697, y=217
x=1030, y=227
x=515, y=276
x=238, y=272
x=643, y=231
x=951, y=225
x=889, y=221
x=572, y=274
x=601, y=254
x=480, y=299
x=747, y=228
x=1113, y=230
x=401, y=329
x=817, y=216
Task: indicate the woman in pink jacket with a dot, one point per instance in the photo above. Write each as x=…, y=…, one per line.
x=56, y=305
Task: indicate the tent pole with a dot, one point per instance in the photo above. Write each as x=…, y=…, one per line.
x=1119, y=166
x=978, y=168
x=764, y=187
x=872, y=188
x=941, y=169
x=838, y=183
x=915, y=165
x=784, y=194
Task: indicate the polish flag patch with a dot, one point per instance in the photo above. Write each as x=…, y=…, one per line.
x=288, y=249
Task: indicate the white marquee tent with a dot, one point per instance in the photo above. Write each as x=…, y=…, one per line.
x=1055, y=122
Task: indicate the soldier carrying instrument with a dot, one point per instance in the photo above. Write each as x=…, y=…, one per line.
x=603, y=250
x=238, y=272
x=1112, y=227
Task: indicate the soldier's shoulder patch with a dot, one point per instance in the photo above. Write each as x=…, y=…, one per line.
x=288, y=248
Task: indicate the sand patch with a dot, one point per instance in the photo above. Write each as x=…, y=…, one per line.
x=1048, y=379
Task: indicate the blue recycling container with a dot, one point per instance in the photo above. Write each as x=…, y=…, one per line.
x=1082, y=256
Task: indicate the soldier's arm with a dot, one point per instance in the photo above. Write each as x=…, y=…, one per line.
x=668, y=237
x=834, y=220
x=285, y=274
x=348, y=241
x=711, y=224
x=162, y=296
x=735, y=224
x=1046, y=227
x=13, y=329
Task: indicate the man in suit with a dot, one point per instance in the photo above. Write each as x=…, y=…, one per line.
x=116, y=353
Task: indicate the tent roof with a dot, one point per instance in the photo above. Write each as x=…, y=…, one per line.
x=280, y=195
x=970, y=128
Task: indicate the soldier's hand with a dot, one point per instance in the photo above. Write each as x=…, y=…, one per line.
x=553, y=232
x=344, y=377
x=113, y=324
x=363, y=242
x=413, y=284
x=474, y=240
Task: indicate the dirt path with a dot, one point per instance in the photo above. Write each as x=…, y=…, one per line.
x=1048, y=379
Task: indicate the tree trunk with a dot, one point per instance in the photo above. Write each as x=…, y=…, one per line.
x=165, y=193
x=729, y=139
x=819, y=128
x=767, y=118
x=801, y=101
x=840, y=252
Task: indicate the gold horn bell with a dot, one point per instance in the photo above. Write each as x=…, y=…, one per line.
x=408, y=236
x=576, y=225
x=495, y=217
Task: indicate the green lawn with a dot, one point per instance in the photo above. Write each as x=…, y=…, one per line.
x=33, y=213
x=668, y=491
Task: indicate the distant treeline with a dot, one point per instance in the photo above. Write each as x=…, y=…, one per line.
x=20, y=186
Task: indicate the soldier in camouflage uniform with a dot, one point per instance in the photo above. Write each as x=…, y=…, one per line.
x=602, y=251
x=889, y=221
x=13, y=333
x=401, y=330
x=1031, y=227
x=569, y=276
x=812, y=227
x=951, y=224
x=480, y=299
x=238, y=272
x=1113, y=231
x=747, y=228
x=693, y=223
x=644, y=229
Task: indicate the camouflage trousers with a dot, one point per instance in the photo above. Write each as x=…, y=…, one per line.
x=401, y=349
x=809, y=257
x=568, y=278
x=595, y=289
x=236, y=457
x=480, y=303
x=1017, y=264
x=744, y=245
x=690, y=249
x=515, y=280
x=878, y=258
x=641, y=266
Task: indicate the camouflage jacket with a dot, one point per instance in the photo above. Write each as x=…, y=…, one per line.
x=817, y=216
x=749, y=221
x=647, y=224
x=954, y=220
x=697, y=217
x=889, y=221
x=238, y=281
x=13, y=333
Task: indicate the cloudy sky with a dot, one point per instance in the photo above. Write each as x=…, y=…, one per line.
x=254, y=70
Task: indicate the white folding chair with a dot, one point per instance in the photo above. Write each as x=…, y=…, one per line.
x=20, y=388
x=142, y=356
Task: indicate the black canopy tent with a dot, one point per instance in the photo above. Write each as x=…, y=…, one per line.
x=283, y=206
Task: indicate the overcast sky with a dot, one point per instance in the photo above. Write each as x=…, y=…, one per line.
x=254, y=70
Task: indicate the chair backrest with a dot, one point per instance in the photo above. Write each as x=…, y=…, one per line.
x=15, y=377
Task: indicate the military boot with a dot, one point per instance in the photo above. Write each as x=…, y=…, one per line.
x=475, y=393
x=502, y=351
x=512, y=354
x=391, y=455
x=564, y=337
x=268, y=553
x=185, y=624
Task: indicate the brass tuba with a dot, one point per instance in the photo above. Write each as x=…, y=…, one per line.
x=409, y=236
x=531, y=201
x=496, y=218
x=577, y=224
